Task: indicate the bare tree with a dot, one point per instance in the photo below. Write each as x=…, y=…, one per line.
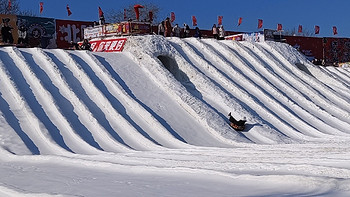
x=26, y=13
x=294, y=32
x=6, y=9
x=113, y=16
x=14, y=8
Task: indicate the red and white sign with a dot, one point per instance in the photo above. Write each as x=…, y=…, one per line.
x=67, y=31
x=111, y=45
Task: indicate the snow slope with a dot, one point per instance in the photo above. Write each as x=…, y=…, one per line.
x=152, y=121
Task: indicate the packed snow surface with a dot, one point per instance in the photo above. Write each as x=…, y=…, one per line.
x=152, y=121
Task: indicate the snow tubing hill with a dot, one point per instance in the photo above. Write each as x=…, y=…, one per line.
x=167, y=93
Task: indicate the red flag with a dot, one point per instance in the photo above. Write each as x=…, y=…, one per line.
x=317, y=29
x=41, y=7
x=137, y=12
x=9, y=5
x=279, y=27
x=68, y=10
x=194, y=21
x=239, y=21
x=220, y=20
x=150, y=14
x=335, y=32
x=100, y=12
x=172, y=17
x=124, y=14
x=260, y=23
x=300, y=29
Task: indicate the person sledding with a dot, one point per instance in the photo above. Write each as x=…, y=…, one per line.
x=237, y=125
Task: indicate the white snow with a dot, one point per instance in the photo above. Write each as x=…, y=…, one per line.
x=152, y=121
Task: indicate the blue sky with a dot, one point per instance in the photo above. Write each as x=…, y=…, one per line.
x=290, y=13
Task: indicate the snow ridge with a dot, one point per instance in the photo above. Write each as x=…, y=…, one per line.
x=91, y=103
x=152, y=121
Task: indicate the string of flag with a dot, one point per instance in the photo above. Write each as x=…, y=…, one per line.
x=260, y=25
x=194, y=19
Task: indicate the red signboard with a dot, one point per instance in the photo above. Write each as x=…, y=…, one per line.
x=68, y=31
x=110, y=45
x=330, y=50
x=337, y=50
x=312, y=47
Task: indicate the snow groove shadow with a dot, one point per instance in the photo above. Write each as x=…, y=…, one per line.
x=121, y=82
x=68, y=108
x=14, y=123
x=277, y=83
x=318, y=92
x=217, y=84
x=62, y=104
x=248, y=72
x=270, y=89
x=171, y=65
x=29, y=96
x=322, y=119
x=228, y=80
x=114, y=101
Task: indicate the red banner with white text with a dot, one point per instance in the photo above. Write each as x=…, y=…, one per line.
x=111, y=45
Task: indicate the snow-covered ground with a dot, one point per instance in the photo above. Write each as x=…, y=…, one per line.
x=152, y=121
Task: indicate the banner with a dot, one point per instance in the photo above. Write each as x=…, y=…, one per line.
x=300, y=29
x=237, y=37
x=260, y=23
x=68, y=31
x=279, y=27
x=68, y=10
x=311, y=47
x=123, y=28
x=112, y=45
x=335, y=31
x=93, y=32
x=172, y=17
x=254, y=37
x=317, y=29
x=239, y=21
x=327, y=50
x=336, y=50
x=9, y=28
x=220, y=20
x=137, y=12
x=194, y=21
x=100, y=12
x=114, y=29
x=40, y=31
x=41, y=4
x=139, y=28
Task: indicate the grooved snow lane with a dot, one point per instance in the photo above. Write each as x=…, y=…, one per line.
x=152, y=121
